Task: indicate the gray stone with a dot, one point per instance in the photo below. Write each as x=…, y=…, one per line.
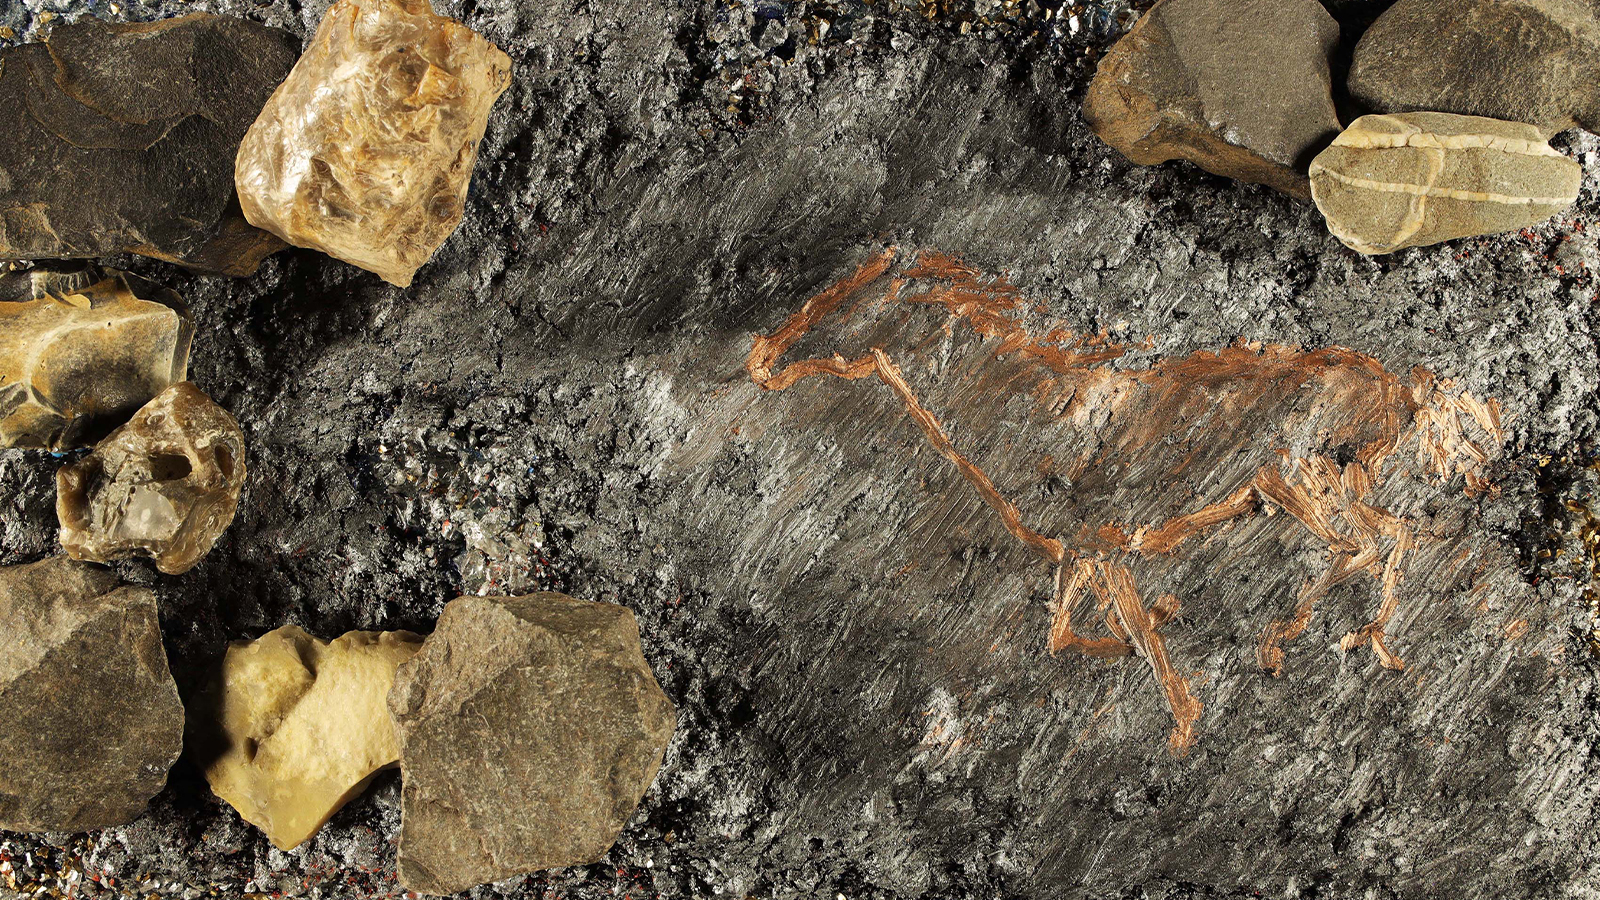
x=121, y=139
x=90, y=719
x=165, y=485
x=1241, y=88
x=81, y=349
x=1533, y=61
x=529, y=728
x=1409, y=180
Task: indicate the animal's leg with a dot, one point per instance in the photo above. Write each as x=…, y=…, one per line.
x=1116, y=581
x=1169, y=534
x=1372, y=632
x=1270, y=653
x=1069, y=589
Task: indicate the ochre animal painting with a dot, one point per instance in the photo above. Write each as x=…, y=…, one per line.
x=1258, y=429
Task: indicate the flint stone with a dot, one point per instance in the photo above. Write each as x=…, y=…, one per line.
x=90, y=719
x=1533, y=61
x=122, y=139
x=81, y=350
x=1409, y=180
x=366, y=149
x=530, y=727
x=165, y=485
x=1241, y=88
x=292, y=727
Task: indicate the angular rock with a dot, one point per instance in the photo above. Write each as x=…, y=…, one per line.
x=530, y=728
x=1533, y=61
x=365, y=151
x=1241, y=88
x=1409, y=180
x=81, y=350
x=165, y=485
x=121, y=139
x=293, y=727
x=90, y=719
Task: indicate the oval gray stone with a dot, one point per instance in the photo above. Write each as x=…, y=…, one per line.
x=1396, y=181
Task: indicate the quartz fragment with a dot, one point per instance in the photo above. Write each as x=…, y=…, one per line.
x=1533, y=61
x=365, y=151
x=165, y=485
x=1241, y=88
x=121, y=138
x=1414, y=179
x=530, y=728
x=81, y=350
x=90, y=719
x=293, y=727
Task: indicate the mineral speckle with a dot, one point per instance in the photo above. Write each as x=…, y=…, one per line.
x=292, y=728
x=1532, y=61
x=1413, y=179
x=1241, y=88
x=529, y=729
x=81, y=350
x=121, y=139
x=165, y=485
x=90, y=719
x=366, y=150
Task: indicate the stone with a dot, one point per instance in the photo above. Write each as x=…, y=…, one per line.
x=1413, y=179
x=1241, y=88
x=366, y=149
x=165, y=485
x=121, y=139
x=81, y=349
x=90, y=719
x=530, y=728
x=292, y=727
x=1533, y=61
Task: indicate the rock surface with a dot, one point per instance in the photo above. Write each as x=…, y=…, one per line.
x=81, y=350
x=293, y=727
x=165, y=485
x=530, y=727
x=1413, y=179
x=1531, y=61
x=1241, y=88
x=90, y=719
x=366, y=150
x=121, y=139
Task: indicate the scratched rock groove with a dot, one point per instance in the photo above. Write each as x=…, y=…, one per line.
x=572, y=396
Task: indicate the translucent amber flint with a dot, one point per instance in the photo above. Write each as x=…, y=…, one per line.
x=365, y=151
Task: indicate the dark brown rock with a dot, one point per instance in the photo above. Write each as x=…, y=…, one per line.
x=81, y=349
x=1532, y=61
x=529, y=729
x=90, y=719
x=1241, y=88
x=165, y=485
x=122, y=138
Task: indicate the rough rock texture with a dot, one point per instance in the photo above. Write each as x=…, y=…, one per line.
x=90, y=719
x=857, y=647
x=529, y=729
x=81, y=350
x=1241, y=88
x=293, y=727
x=165, y=485
x=1413, y=179
x=366, y=150
x=121, y=138
x=1532, y=61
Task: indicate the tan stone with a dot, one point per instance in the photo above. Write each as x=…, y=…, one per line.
x=293, y=728
x=81, y=350
x=165, y=485
x=366, y=149
x=1409, y=180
